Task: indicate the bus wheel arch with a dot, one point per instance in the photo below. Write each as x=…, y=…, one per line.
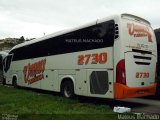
x=14, y=81
x=67, y=87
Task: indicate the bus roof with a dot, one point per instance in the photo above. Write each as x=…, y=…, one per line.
x=76, y=28
x=63, y=32
x=135, y=17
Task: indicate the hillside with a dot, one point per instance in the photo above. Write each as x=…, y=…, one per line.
x=8, y=43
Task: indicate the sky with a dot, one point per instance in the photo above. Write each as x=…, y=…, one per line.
x=36, y=18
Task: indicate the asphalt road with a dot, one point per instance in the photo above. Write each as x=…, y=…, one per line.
x=141, y=105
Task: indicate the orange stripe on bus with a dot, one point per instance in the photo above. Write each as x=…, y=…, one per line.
x=123, y=91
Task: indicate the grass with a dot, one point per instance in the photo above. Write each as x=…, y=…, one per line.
x=32, y=105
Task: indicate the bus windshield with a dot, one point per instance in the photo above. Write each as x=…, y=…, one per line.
x=7, y=60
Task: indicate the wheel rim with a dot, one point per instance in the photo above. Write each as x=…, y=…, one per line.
x=67, y=91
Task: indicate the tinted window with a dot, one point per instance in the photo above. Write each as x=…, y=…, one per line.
x=8, y=62
x=93, y=37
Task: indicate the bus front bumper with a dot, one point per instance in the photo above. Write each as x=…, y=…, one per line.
x=122, y=91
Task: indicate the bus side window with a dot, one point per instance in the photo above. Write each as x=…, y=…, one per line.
x=8, y=60
x=109, y=32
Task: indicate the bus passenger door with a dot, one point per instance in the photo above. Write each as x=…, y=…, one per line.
x=100, y=83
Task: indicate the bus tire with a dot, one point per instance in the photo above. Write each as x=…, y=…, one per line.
x=157, y=95
x=67, y=89
x=4, y=81
x=14, y=82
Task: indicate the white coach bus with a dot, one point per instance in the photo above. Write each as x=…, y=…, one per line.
x=114, y=57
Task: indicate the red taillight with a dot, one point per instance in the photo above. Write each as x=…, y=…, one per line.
x=120, y=72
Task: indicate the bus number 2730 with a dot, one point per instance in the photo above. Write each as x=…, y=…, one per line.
x=142, y=74
x=95, y=58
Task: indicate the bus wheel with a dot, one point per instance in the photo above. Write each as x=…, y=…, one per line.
x=4, y=81
x=67, y=89
x=14, y=82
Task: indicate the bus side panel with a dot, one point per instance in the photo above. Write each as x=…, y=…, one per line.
x=47, y=83
x=35, y=85
x=8, y=79
x=81, y=82
x=100, y=83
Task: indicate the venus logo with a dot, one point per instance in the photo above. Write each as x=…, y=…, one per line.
x=139, y=31
x=34, y=72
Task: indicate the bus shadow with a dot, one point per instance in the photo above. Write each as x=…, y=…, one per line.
x=110, y=102
x=91, y=100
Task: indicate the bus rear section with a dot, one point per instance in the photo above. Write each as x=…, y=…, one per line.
x=136, y=70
